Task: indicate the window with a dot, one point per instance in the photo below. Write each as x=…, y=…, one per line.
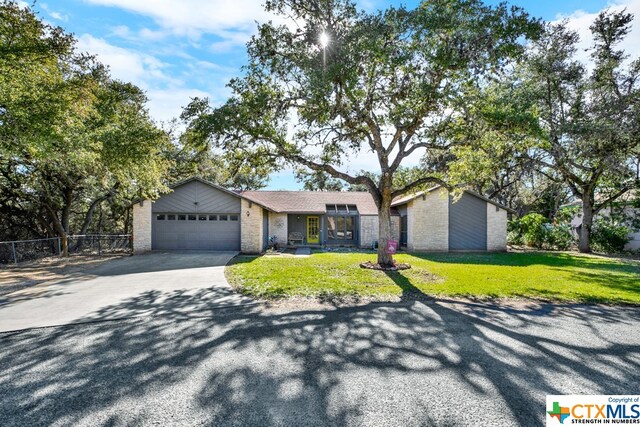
x=202, y=217
x=160, y=217
x=192, y=217
x=233, y=217
x=331, y=228
x=213, y=217
x=182, y=217
x=341, y=227
x=171, y=217
x=333, y=209
x=223, y=217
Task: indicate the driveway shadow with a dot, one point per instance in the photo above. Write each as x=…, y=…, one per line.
x=419, y=362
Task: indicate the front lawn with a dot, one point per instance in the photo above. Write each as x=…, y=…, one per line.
x=549, y=276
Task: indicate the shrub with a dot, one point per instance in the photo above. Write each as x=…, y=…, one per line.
x=609, y=237
x=514, y=232
x=561, y=237
x=534, y=232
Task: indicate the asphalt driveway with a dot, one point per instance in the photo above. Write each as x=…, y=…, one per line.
x=431, y=363
x=109, y=291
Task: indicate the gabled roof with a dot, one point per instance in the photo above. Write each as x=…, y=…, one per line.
x=315, y=202
x=312, y=202
x=405, y=199
x=209, y=183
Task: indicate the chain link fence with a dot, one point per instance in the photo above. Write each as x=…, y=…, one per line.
x=91, y=244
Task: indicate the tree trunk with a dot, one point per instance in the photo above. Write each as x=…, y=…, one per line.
x=87, y=220
x=584, y=242
x=60, y=231
x=384, y=228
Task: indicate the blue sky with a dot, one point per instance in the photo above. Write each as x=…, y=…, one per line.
x=178, y=49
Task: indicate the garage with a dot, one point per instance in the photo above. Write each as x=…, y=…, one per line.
x=196, y=215
x=468, y=224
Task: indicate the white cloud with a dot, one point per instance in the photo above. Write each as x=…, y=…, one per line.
x=142, y=35
x=127, y=65
x=167, y=94
x=194, y=17
x=580, y=21
x=52, y=13
x=166, y=104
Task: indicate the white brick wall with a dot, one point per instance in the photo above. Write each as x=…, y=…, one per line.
x=278, y=227
x=496, y=228
x=250, y=227
x=428, y=222
x=370, y=229
x=142, y=227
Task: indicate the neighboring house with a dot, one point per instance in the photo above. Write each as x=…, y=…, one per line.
x=201, y=215
x=627, y=210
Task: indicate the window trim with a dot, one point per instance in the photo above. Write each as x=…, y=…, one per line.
x=341, y=220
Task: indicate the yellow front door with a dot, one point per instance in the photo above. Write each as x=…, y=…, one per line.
x=313, y=230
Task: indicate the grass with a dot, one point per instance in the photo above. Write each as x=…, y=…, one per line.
x=539, y=275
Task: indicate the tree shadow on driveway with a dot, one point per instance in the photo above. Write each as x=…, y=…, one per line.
x=418, y=362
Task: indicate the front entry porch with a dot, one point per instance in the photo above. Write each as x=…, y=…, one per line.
x=313, y=230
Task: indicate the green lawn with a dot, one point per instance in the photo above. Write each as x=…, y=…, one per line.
x=549, y=276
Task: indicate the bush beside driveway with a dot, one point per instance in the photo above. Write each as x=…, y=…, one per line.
x=540, y=275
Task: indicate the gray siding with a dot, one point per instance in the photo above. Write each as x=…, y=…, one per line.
x=298, y=223
x=194, y=197
x=468, y=223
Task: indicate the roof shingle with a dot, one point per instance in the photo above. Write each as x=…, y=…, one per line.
x=314, y=202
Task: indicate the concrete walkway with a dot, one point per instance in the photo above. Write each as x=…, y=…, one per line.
x=175, y=283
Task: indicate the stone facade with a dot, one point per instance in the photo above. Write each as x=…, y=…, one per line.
x=142, y=227
x=428, y=222
x=496, y=228
x=369, y=229
x=278, y=227
x=251, y=237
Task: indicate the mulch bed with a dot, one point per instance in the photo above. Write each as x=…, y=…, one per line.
x=375, y=266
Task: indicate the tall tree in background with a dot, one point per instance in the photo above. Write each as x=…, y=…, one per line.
x=591, y=122
x=337, y=82
x=70, y=136
x=189, y=157
x=576, y=127
x=318, y=181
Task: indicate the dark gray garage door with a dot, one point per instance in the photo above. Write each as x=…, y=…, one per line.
x=468, y=224
x=215, y=232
